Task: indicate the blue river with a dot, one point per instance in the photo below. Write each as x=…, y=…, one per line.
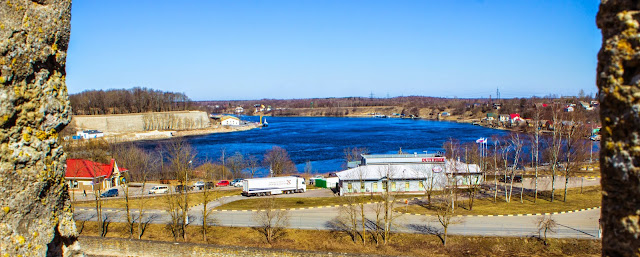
x=322, y=140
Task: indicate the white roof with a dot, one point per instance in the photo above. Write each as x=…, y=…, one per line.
x=406, y=171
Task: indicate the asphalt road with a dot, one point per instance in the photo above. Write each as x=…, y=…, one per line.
x=575, y=225
x=582, y=224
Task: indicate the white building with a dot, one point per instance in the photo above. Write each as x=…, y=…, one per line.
x=87, y=134
x=229, y=121
x=407, y=173
x=239, y=109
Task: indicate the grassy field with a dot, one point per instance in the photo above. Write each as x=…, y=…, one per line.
x=159, y=202
x=336, y=241
x=305, y=202
x=590, y=197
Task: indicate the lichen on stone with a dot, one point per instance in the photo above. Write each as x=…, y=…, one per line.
x=36, y=218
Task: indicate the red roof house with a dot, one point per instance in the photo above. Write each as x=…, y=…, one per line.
x=85, y=173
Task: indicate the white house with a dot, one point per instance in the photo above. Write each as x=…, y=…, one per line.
x=239, y=109
x=87, y=134
x=229, y=121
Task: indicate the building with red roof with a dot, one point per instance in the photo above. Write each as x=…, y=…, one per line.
x=89, y=175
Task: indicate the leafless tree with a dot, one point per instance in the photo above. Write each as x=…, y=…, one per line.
x=545, y=224
x=252, y=165
x=181, y=157
x=139, y=164
x=555, y=146
x=445, y=211
x=236, y=164
x=354, y=154
x=535, y=149
x=575, y=150
x=174, y=205
x=515, y=142
x=496, y=142
x=208, y=194
x=277, y=159
x=271, y=219
x=348, y=217
x=385, y=216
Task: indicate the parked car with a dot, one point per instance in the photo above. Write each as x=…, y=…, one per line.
x=110, y=193
x=180, y=188
x=159, y=190
x=516, y=179
x=223, y=183
x=237, y=182
x=198, y=185
x=209, y=185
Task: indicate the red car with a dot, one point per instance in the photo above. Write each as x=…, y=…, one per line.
x=223, y=183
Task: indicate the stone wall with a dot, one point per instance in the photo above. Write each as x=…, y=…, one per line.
x=618, y=79
x=98, y=246
x=35, y=219
x=184, y=120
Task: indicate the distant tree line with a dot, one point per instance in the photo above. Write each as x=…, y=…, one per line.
x=134, y=100
x=411, y=105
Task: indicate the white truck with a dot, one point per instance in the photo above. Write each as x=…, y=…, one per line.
x=273, y=186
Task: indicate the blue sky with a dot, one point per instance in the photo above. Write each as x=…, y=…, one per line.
x=225, y=50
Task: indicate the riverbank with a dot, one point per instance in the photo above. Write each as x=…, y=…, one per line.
x=157, y=135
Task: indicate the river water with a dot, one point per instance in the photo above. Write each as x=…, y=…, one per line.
x=322, y=140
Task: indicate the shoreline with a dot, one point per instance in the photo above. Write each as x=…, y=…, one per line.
x=168, y=134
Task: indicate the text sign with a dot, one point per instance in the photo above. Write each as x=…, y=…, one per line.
x=433, y=159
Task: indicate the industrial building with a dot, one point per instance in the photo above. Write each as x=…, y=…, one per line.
x=407, y=173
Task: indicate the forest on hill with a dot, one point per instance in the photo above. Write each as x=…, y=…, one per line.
x=134, y=100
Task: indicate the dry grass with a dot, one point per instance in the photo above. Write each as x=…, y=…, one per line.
x=400, y=244
x=158, y=202
x=304, y=202
x=591, y=197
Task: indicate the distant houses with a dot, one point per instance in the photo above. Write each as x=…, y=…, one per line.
x=229, y=121
x=89, y=175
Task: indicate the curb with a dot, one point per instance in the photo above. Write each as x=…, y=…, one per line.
x=507, y=215
x=318, y=207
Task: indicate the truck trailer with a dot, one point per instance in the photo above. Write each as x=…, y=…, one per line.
x=273, y=186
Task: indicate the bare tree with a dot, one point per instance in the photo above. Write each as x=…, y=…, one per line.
x=575, y=151
x=252, y=165
x=207, y=195
x=348, y=217
x=545, y=224
x=554, y=150
x=236, y=164
x=354, y=154
x=385, y=216
x=496, y=142
x=516, y=144
x=445, y=211
x=181, y=157
x=277, y=159
x=271, y=219
x=173, y=204
x=139, y=165
x=535, y=150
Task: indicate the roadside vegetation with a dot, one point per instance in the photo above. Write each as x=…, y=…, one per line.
x=589, y=198
x=158, y=201
x=402, y=244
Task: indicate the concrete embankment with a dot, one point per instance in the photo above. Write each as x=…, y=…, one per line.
x=138, y=122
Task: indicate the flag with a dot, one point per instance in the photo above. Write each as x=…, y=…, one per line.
x=481, y=140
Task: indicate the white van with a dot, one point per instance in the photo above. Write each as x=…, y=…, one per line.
x=159, y=190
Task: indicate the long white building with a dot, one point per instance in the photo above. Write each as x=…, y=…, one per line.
x=407, y=173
